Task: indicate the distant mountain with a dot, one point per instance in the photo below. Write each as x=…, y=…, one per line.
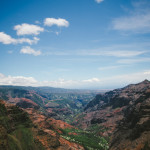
x=123, y=114
x=48, y=90
x=58, y=103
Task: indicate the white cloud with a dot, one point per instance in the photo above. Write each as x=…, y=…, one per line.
x=17, y=80
x=29, y=50
x=58, y=22
x=100, y=52
x=37, y=22
x=100, y=83
x=115, y=53
x=10, y=52
x=134, y=60
x=92, y=80
x=125, y=79
x=137, y=21
x=99, y=1
x=26, y=40
x=30, y=81
x=110, y=67
x=147, y=72
x=28, y=29
x=7, y=39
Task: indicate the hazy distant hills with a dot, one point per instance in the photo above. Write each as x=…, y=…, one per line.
x=60, y=103
x=46, y=89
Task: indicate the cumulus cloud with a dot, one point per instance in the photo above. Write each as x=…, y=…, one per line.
x=30, y=81
x=58, y=22
x=99, y=1
x=17, y=80
x=102, y=83
x=28, y=29
x=29, y=50
x=7, y=39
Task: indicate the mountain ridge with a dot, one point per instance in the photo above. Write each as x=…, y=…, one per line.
x=129, y=107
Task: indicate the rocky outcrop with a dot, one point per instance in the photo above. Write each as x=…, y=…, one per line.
x=133, y=132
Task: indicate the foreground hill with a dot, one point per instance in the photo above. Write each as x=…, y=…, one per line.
x=30, y=130
x=16, y=129
x=124, y=116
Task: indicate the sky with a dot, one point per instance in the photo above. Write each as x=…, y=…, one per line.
x=78, y=44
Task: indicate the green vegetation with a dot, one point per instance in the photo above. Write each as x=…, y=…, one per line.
x=66, y=104
x=16, y=130
x=16, y=126
x=88, y=139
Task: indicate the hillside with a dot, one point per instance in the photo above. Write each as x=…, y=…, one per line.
x=58, y=103
x=114, y=120
x=29, y=130
x=41, y=112
x=123, y=114
x=16, y=129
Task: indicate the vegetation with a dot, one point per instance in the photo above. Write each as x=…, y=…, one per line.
x=66, y=104
x=88, y=139
x=16, y=126
x=15, y=130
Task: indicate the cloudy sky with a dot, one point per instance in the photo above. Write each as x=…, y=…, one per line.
x=90, y=44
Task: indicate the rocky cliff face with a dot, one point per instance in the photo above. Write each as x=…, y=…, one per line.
x=124, y=113
x=133, y=131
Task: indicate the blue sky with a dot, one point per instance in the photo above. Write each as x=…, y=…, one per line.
x=90, y=44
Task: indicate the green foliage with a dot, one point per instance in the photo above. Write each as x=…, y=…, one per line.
x=18, y=116
x=35, y=98
x=15, y=130
x=89, y=140
x=13, y=143
x=95, y=128
x=25, y=138
x=3, y=110
x=14, y=92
